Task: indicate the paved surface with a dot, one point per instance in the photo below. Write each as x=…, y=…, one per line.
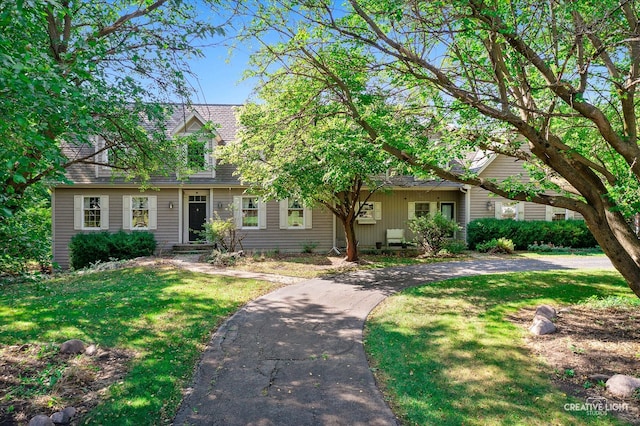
x=295, y=356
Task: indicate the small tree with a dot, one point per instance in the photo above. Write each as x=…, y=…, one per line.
x=223, y=233
x=432, y=232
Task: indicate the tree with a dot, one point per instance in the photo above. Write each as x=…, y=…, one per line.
x=319, y=157
x=73, y=70
x=550, y=84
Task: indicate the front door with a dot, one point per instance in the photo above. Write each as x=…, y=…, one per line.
x=197, y=218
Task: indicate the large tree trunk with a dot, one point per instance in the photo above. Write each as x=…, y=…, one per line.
x=619, y=243
x=350, y=236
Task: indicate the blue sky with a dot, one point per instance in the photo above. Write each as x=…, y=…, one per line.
x=219, y=76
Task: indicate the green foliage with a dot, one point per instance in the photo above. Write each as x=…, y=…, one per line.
x=429, y=344
x=223, y=233
x=161, y=316
x=431, y=232
x=309, y=246
x=87, y=249
x=69, y=73
x=496, y=245
x=455, y=246
x=26, y=236
x=567, y=233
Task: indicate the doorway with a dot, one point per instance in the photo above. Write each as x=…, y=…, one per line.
x=197, y=216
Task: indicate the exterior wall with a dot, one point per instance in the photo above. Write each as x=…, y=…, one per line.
x=168, y=230
x=63, y=213
x=395, y=214
x=483, y=202
x=272, y=237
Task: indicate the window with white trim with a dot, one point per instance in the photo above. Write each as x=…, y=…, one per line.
x=554, y=214
x=509, y=210
x=139, y=212
x=91, y=212
x=421, y=209
x=294, y=215
x=370, y=213
x=250, y=212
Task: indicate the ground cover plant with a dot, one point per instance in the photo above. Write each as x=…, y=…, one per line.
x=455, y=352
x=150, y=325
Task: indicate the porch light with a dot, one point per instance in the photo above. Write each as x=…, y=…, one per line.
x=170, y=204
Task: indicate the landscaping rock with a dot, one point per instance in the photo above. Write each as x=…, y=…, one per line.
x=41, y=420
x=73, y=346
x=546, y=311
x=623, y=386
x=91, y=350
x=542, y=325
x=63, y=417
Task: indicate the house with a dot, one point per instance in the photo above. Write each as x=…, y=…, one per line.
x=175, y=209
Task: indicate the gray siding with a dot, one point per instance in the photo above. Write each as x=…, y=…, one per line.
x=483, y=202
x=395, y=214
x=63, y=216
x=274, y=238
x=168, y=227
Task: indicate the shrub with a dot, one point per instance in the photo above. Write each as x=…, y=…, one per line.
x=496, y=245
x=309, y=246
x=26, y=237
x=223, y=233
x=432, y=232
x=86, y=249
x=568, y=233
x=455, y=246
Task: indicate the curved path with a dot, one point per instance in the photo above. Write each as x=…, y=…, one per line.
x=295, y=356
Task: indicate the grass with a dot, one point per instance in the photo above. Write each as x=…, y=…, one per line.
x=445, y=354
x=164, y=316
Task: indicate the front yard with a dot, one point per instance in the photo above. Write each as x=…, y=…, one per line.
x=458, y=351
x=150, y=326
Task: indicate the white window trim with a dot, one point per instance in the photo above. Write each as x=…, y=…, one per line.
x=519, y=209
x=370, y=213
x=433, y=208
x=284, y=216
x=568, y=214
x=78, y=212
x=126, y=212
x=237, y=212
x=210, y=160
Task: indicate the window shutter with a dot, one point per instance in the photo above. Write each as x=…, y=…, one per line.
x=262, y=214
x=433, y=208
x=520, y=214
x=412, y=210
x=284, y=208
x=308, y=218
x=153, y=212
x=498, y=210
x=126, y=212
x=237, y=211
x=77, y=211
x=377, y=210
x=104, y=212
x=548, y=213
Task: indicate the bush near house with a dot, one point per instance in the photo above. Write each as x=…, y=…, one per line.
x=86, y=249
x=567, y=233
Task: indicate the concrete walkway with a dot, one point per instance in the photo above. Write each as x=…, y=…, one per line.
x=295, y=356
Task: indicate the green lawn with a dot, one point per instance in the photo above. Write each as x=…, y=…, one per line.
x=162, y=315
x=446, y=355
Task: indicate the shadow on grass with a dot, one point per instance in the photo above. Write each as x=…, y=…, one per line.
x=447, y=356
x=165, y=316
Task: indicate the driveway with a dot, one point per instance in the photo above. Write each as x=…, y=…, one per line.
x=295, y=356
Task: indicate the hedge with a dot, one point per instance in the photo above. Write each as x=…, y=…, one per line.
x=86, y=249
x=566, y=233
